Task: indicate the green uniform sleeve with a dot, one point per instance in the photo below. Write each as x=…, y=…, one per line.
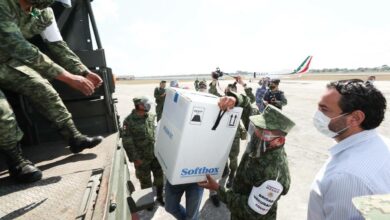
x=213, y=89
x=66, y=57
x=237, y=202
x=249, y=93
x=128, y=142
x=14, y=45
x=244, y=102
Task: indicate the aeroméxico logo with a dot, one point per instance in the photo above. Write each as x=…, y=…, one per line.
x=199, y=171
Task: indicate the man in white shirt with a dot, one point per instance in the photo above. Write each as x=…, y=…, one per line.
x=359, y=163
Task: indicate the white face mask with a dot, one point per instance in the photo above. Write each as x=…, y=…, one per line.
x=321, y=122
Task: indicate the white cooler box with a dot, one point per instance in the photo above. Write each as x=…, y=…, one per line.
x=190, y=144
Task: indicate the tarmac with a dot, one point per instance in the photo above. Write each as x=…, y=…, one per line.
x=306, y=148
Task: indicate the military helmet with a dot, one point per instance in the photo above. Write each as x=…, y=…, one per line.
x=145, y=101
x=272, y=119
x=41, y=4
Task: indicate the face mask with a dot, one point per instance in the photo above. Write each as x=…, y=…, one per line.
x=321, y=122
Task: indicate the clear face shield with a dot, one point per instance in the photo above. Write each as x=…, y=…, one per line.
x=260, y=140
x=148, y=104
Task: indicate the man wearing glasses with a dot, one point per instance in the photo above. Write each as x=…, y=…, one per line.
x=359, y=164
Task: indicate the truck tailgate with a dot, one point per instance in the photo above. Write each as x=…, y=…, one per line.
x=69, y=187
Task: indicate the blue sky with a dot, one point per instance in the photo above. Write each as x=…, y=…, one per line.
x=166, y=37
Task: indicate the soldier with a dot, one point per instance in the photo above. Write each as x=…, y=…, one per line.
x=274, y=96
x=230, y=168
x=23, y=69
x=138, y=141
x=159, y=95
x=263, y=173
x=202, y=86
x=196, y=84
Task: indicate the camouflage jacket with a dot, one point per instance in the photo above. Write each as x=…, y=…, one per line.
x=249, y=93
x=138, y=136
x=157, y=95
x=253, y=172
x=16, y=26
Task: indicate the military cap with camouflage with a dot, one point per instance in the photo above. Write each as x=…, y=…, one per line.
x=272, y=119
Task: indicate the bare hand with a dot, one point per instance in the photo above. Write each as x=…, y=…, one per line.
x=227, y=103
x=77, y=82
x=137, y=163
x=210, y=183
x=95, y=79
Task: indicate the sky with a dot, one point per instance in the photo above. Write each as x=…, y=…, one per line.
x=171, y=37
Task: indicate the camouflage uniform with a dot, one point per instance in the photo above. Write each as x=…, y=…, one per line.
x=138, y=141
x=158, y=91
x=235, y=150
x=23, y=69
x=196, y=84
x=10, y=133
x=374, y=207
x=251, y=109
x=254, y=171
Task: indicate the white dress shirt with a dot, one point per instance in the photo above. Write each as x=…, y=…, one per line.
x=358, y=165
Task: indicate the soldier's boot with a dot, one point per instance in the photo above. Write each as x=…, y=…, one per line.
x=76, y=140
x=160, y=197
x=19, y=168
x=215, y=200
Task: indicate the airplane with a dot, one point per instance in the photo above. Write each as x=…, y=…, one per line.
x=302, y=69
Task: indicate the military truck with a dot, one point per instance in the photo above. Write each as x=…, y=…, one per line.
x=94, y=184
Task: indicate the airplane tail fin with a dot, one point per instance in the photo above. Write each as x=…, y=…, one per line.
x=304, y=67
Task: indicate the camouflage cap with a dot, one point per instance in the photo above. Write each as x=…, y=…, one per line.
x=272, y=119
x=374, y=206
x=141, y=100
x=41, y=4
x=203, y=83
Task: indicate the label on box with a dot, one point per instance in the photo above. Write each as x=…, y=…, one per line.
x=197, y=115
x=233, y=119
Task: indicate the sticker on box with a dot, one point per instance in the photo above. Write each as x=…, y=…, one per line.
x=197, y=115
x=233, y=119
